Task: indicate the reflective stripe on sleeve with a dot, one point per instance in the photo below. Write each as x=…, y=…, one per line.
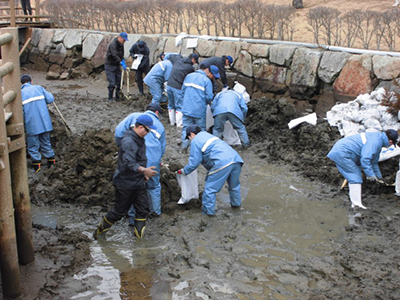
x=206, y=144
x=363, y=137
x=32, y=99
x=196, y=86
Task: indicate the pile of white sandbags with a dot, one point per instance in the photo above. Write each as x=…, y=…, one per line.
x=365, y=113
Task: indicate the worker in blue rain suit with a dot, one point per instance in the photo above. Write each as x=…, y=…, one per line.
x=156, y=78
x=155, y=149
x=361, y=151
x=222, y=162
x=181, y=68
x=115, y=59
x=129, y=179
x=221, y=62
x=37, y=122
x=140, y=47
x=230, y=106
x=197, y=93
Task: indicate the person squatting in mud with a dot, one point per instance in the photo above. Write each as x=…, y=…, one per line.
x=37, y=122
x=155, y=149
x=129, y=179
x=361, y=151
x=222, y=162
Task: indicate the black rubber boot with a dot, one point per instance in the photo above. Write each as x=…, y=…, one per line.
x=140, y=86
x=139, y=227
x=117, y=98
x=110, y=95
x=51, y=161
x=102, y=227
x=37, y=165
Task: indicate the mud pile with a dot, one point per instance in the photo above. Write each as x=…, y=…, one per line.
x=85, y=168
x=303, y=148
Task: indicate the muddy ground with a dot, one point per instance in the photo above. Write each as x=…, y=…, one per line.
x=365, y=266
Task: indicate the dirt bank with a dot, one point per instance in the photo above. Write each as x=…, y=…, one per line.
x=365, y=266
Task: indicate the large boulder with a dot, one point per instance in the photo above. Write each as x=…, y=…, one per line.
x=269, y=78
x=385, y=67
x=304, y=82
x=331, y=64
x=355, y=78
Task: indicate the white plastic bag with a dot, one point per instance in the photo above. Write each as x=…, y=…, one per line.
x=137, y=61
x=189, y=187
x=231, y=137
x=310, y=119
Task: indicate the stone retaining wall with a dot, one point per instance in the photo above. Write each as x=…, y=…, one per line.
x=316, y=77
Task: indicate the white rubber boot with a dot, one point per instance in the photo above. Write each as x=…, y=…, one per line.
x=355, y=195
x=397, y=3
x=172, y=119
x=179, y=117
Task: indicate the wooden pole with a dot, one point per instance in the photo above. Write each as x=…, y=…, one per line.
x=12, y=13
x=37, y=7
x=9, y=267
x=18, y=164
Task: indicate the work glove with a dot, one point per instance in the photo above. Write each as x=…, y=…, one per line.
x=180, y=172
x=372, y=178
x=123, y=64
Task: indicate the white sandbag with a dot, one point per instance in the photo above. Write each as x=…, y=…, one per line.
x=137, y=61
x=349, y=128
x=231, y=137
x=241, y=89
x=310, y=119
x=372, y=125
x=189, y=187
x=179, y=38
x=389, y=152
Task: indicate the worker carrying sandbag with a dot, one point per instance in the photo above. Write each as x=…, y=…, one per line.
x=361, y=151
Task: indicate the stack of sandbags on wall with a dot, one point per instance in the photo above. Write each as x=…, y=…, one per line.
x=365, y=113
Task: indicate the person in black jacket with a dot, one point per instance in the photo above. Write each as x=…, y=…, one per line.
x=181, y=68
x=140, y=50
x=115, y=58
x=130, y=177
x=221, y=63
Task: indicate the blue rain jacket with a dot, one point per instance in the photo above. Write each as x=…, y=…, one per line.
x=213, y=153
x=229, y=102
x=351, y=153
x=197, y=93
x=36, y=115
x=155, y=139
x=159, y=73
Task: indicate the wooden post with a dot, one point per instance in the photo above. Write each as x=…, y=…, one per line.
x=18, y=164
x=37, y=8
x=9, y=267
x=12, y=13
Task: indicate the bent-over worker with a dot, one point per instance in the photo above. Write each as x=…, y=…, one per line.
x=360, y=151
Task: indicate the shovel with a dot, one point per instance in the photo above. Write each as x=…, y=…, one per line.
x=121, y=93
x=68, y=129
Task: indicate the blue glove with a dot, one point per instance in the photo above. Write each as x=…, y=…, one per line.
x=123, y=64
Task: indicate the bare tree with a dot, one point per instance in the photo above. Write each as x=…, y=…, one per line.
x=251, y=12
x=329, y=22
x=315, y=22
x=349, y=28
x=389, y=20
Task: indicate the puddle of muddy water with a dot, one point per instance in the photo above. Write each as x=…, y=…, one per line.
x=248, y=254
